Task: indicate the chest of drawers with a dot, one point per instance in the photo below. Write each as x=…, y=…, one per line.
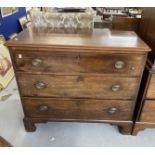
x=78, y=77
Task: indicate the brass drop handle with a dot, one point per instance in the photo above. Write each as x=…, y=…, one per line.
x=115, y=87
x=112, y=110
x=119, y=64
x=36, y=62
x=43, y=108
x=40, y=85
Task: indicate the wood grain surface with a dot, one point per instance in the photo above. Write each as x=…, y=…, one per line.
x=78, y=86
x=78, y=108
x=100, y=39
x=75, y=63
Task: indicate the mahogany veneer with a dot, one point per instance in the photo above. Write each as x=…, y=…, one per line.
x=79, y=77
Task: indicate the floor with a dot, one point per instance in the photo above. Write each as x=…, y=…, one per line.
x=61, y=134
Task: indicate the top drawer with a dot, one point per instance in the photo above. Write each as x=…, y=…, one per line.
x=72, y=63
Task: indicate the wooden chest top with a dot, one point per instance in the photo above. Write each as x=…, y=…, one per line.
x=99, y=39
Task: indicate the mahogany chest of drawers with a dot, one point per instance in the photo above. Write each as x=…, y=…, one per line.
x=79, y=77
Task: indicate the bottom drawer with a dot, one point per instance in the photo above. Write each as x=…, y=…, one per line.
x=55, y=108
x=148, y=111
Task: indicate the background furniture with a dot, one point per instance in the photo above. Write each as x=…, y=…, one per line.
x=119, y=18
x=79, y=77
x=145, y=113
x=114, y=11
x=125, y=23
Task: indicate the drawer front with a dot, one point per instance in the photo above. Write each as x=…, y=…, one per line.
x=79, y=63
x=103, y=87
x=151, y=87
x=148, y=111
x=78, y=108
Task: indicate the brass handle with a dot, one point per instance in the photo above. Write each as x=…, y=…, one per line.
x=112, y=110
x=20, y=56
x=43, y=108
x=36, y=62
x=119, y=64
x=40, y=85
x=115, y=87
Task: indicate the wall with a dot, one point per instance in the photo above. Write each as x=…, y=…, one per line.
x=10, y=24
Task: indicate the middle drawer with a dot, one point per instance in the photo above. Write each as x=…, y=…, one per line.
x=103, y=87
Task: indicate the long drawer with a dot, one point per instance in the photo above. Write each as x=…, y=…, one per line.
x=78, y=108
x=69, y=63
x=103, y=87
